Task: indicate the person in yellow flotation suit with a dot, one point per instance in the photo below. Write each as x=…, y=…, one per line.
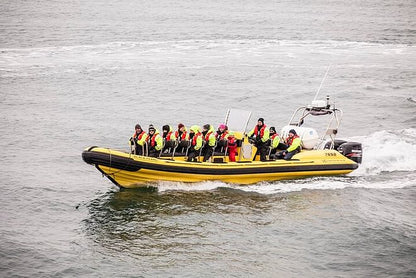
x=294, y=146
x=169, y=138
x=155, y=141
x=209, y=137
x=196, y=142
x=275, y=143
x=259, y=135
x=138, y=139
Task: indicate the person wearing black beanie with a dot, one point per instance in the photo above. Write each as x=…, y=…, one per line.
x=169, y=138
x=294, y=146
x=260, y=136
x=275, y=143
x=293, y=132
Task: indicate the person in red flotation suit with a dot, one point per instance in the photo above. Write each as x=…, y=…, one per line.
x=232, y=146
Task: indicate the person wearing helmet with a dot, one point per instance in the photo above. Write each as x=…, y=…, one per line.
x=221, y=137
x=137, y=140
x=294, y=146
x=231, y=146
x=259, y=135
x=196, y=143
x=155, y=141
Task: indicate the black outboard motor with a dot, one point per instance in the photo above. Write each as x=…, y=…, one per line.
x=352, y=150
x=337, y=143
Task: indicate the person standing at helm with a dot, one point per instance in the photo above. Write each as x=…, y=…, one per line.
x=260, y=135
x=138, y=139
x=155, y=141
x=196, y=143
x=168, y=137
x=294, y=143
x=209, y=138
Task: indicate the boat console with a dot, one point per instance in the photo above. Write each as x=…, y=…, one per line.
x=310, y=137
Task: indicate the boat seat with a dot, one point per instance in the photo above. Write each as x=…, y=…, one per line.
x=180, y=154
x=181, y=148
x=203, y=145
x=166, y=155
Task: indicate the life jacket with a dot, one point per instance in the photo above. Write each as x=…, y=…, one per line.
x=168, y=135
x=207, y=136
x=231, y=139
x=273, y=137
x=289, y=140
x=232, y=142
x=218, y=134
x=256, y=131
x=139, y=136
x=221, y=135
x=181, y=136
x=153, y=139
x=195, y=138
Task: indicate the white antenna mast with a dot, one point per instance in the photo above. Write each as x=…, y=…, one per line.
x=322, y=82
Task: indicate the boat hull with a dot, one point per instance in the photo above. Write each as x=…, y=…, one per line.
x=131, y=171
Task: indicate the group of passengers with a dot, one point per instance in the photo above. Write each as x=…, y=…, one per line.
x=207, y=141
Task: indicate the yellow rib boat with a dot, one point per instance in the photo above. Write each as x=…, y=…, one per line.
x=130, y=171
x=319, y=157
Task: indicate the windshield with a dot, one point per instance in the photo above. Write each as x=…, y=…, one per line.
x=237, y=119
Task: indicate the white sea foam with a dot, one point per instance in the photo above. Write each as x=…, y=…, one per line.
x=387, y=151
x=36, y=60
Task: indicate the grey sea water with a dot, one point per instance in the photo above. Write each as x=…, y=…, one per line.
x=75, y=74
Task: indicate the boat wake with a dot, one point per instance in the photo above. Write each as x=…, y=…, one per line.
x=389, y=161
x=138, y=54
x=388, y=151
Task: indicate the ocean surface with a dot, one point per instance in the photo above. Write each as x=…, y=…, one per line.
x=74, y=74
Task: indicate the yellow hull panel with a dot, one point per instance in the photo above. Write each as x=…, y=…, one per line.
x=144, y=177
x=130, y=171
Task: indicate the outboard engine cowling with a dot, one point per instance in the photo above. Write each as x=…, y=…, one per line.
x=337, y=143
x=352, y=150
